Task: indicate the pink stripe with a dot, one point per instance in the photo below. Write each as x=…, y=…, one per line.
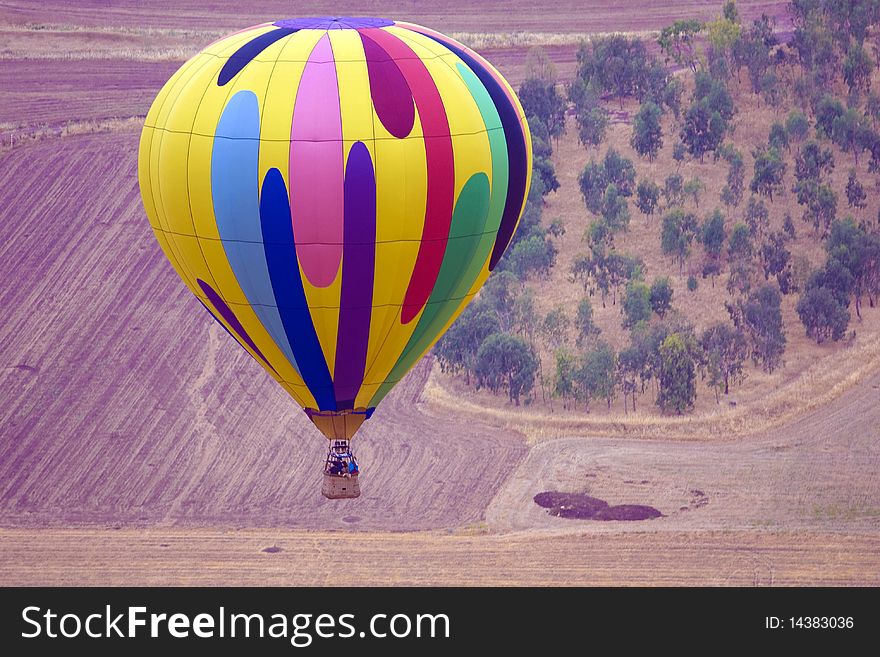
x=317, y=168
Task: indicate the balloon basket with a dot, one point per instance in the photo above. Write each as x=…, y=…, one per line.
x=336, y=487
x=341, y=472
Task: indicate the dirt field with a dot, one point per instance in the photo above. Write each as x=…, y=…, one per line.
x=447, y=15
x=125, y=404
x=158, y=557
x=62, y=61
x=126, y=408
x=817, y=473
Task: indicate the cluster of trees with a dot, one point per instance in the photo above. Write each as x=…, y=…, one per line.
x=497, y=340
x=664, y=357
x=491, y=342
x=544, y=108
x=851, y=270
x=620, y=67
x=532, y=251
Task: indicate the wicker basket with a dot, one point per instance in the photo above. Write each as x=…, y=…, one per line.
x=337, y=487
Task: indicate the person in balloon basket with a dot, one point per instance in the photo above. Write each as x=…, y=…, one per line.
x=337, y=467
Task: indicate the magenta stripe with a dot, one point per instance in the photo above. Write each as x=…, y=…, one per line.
x=391, y=94
x=357, y=276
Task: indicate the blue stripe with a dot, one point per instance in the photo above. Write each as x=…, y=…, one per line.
x=280, y=249
x=235, y=193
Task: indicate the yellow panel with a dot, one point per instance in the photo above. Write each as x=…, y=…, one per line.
x=226, y=285
x=278, y=108
x=354, y=85
x=146, y=187
x=161, y=212
x=326, y=321
x=178, y=266
x=402, y=187
x=198, y=174
x=472, y=155
x=184, y=99
x=174, y=82
x=324, y=307
x=152, y=152
x=401, y=184
x=172, y=183
x=388, y=336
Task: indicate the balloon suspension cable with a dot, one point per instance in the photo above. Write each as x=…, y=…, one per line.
x=340, y=461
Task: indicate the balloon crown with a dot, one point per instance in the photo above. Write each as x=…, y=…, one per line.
x=333, y=23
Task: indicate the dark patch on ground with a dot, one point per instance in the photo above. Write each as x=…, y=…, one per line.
x=584, y=507
x=351, y=519
x=273, y=549
x=627, y=512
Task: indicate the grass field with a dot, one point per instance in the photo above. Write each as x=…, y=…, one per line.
x=160, y=557
x=139, y=445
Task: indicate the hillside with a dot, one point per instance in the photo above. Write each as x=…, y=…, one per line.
x=810, y=373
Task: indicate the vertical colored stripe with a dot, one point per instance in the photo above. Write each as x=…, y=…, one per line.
x=391, y=95
x=440, y=170
x=235, y=198
x=497, y=200
x=243, y=56
x=316, y=168
x=517, y=152
x=358, y=263
x=226, y=313
x=279, y=243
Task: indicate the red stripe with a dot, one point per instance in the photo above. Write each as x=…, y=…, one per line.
x=440, y=170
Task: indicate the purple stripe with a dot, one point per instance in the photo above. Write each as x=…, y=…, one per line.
x=391, y=94
x=358, y=260
x=227, y=314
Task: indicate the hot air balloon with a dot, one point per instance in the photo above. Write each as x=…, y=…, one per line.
x=335, y=191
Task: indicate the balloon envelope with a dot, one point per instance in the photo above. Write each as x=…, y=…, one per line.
x=335, y=191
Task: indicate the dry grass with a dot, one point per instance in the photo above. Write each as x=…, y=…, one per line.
x=185, y=557
x=13, y=136
x=483, y=40
x=75, y=42
x=178, y=54
x=129, y=30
